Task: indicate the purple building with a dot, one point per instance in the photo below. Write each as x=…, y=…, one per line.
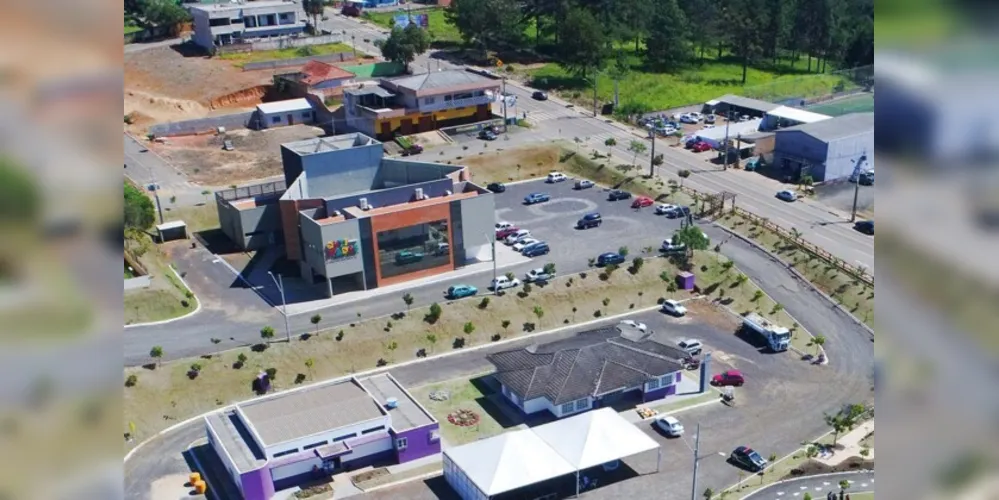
x=278, y=442
x=594, y=369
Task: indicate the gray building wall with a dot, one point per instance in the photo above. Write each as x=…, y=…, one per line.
x=314, y=239
x=332, y=172
x=253, y=228
x=202, y=31
x=843, y=154
x=477, y=219
x=395, y=172
x=271, y=120
x=393, y=196
x=828, y=161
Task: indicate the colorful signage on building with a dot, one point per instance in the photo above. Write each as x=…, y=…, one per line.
x=339, y=249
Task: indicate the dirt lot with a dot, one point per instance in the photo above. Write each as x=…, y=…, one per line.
x=162, y=84
x=257, y=154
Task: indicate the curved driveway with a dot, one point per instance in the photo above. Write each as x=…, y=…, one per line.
x=786, y=407
x=818, y=486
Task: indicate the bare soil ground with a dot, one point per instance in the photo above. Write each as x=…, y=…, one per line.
x=257, y=154
x=510, y=164
x=162, y=84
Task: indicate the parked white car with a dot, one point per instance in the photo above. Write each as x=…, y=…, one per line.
x=524, y=243
x=663, y=208
x=635, y=324
x=538, y=274
x=674, y=308
x=688, y=118
x=517, y=236
x=501, y=225
x=556, y=177
x=502, y=283
x=691, y=346
x=670, y=426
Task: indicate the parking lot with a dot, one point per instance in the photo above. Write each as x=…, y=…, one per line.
x=555, y=222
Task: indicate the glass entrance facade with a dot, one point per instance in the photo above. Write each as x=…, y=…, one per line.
x=413, y=248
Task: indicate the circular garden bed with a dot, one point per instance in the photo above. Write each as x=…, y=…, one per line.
x=463, y=418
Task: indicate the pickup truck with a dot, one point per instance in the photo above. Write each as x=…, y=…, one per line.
x=777, y=337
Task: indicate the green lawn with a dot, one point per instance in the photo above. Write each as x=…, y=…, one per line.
x=132, y=29
x=440, y=30
x=853, y=104
x=241, y=58
x=699, y=83
x=464, y=395
x=376, y=70
x=861, y=496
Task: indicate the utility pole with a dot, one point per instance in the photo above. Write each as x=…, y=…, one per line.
x=284, y=303
x=697, y=443
x=595, y=93
x=728, y=120
x=652, y=160
x=503, y=92
x=856, y=188
x=492, y=242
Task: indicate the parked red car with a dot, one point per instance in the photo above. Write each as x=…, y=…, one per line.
x=503, y=233
x=700, y=146
x=642, y=201
x=731, y=377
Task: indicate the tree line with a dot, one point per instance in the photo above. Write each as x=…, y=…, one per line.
x=592, y=35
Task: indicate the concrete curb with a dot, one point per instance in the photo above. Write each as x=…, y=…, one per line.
x=794, y=272
x=803, y=478
x=163, y=322
x=394, y=366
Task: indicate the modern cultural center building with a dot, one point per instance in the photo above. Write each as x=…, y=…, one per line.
x=354, y=219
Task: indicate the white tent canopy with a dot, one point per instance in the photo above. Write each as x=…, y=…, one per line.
x=508, y=461
x=594, y=438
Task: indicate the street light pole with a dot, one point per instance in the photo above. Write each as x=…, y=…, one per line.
x=652, y=159
x=728, y=120
x=856, y=186
x=503, y=96
x=492, y=241
x=697, y=443
x=279, y=282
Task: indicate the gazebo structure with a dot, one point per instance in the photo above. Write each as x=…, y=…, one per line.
x=484, y=469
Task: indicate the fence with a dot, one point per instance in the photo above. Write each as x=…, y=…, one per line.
x=853, y=271
x=264, y=188
x=200, y=125
x=298, y=61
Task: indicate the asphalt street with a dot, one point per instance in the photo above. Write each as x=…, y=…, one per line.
x=780, y=386
x=860, y=482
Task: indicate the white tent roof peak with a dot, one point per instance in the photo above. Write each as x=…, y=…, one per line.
x=508, y=461
x=594, y=438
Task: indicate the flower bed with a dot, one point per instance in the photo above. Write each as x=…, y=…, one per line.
x=463, y=418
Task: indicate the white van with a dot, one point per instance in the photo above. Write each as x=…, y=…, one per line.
x=556, y=177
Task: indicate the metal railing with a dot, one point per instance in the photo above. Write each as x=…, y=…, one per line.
x=262, y=189
x=457, y=103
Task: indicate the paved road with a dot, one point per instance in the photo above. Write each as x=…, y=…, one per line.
x=782, y=386
x=821, y=225
x=860, y=482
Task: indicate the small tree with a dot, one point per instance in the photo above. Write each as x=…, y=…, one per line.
x=271, y=373
x=757, y=295
x=156, y=353
x=708, y=494
x=431, y=339
x=267, y=332
x=484, y=303
x=637, y=263
x=510, y=276
x=807, y=496
x=637, y=147
x=309, y=363
x=206, y=193
x=683, y=174
x=623, y=251
x=539, y=312
x=657, y=160
x=315, y=319
x=408, y=299
x=435, y=312
x=505, y=324
x=610, y=143
x=578, y=141
x=391, y=347
x=241, y=359
x=469, y=328
x=131, y=380
x=550, y=268
x=845, y=420
x=777, y=308
x=819, y=341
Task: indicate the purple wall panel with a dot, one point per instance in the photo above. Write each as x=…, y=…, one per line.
x=657, y=394
x=418, y=443
x=258, y=484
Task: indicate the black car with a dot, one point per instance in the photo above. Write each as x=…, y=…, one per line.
x=539, y=96
x=617, y=194
x=748, y=459
x=589, y=220
x=487, y=135
x=865, y=226
x=677, y=212
x=496, y=187
x=610, y=258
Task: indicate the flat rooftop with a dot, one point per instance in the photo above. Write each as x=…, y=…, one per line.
x=408, y=414
x=262, y=4
x=290, y=416
x=327, y=144
x=236, y=440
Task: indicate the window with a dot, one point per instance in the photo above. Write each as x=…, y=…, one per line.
x=581, y=404
x=343, y=438
x=435, y=435
x=653, y=384
x=413, y=248
x=313, y=445
x=374, y=429
x=238, y=20
x=275, y=119
x=568, y=407
x=285, y=452
x=428, y=100
x=667, y=380
x=250, y=22
x=307, y=114
x=221, y=21
x=401, y=443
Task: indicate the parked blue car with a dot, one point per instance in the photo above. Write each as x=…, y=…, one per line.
x=461, y=291
x=539, y=248
x=610, y=258
x=536, y=198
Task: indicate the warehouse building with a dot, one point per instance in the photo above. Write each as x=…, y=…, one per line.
x=785, y=116
x=826, y=150
x=291, y=438
x=737, y=106
x=355, y=220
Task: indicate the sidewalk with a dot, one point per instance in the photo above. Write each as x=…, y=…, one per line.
x=848, y=445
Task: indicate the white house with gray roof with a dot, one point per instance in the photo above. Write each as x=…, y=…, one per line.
x=219, y=24
x=826, y=150
x=278, y=442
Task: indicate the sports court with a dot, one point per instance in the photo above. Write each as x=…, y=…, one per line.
x=858, y=103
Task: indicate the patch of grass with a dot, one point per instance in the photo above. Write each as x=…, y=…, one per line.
x=142, y=306
x=241, y=58
x=464, y=395
x=438, y=27
x=861, y=496
x=399, y=476
x=198, y=218
x=854, y=295
x=696, y=84
x=132, y=29
x=675, y=406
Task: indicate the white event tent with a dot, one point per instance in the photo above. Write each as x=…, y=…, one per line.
x=513, y=460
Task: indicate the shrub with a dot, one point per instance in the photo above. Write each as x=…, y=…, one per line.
x=671, y=287
x=623, y=251
x=527, y=288
x=505, y=323
x=299, y=378
x=435, y=313
x=131, y=380
x=196, y=367
x=458, y=343
x=339, y=336
x=495, y=338
x=484, y=303
x=757, y=295
x=528, y=326
x=606, y=301
x=241, y=360
x=604, y=276
x=597, y=313
x=381, y=362
x=271, y=373
x=184, y=303
x=469, y=328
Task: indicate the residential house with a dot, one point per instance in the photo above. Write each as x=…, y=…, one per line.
x=420, y=103
x=316, y=77
x=221, y=24
x=289, y=112
x=565, y=380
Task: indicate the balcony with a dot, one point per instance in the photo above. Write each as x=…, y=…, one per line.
x=439, y=103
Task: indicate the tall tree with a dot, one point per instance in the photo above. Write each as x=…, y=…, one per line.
x=487, y=24
x=666, y=46
x=315, y=9
x=163, y=12
x=404, y=44
x=634, y=21
x=583, y=46
x=707, y=14
x=743, y=20
x=776, y=28
x=138, y=208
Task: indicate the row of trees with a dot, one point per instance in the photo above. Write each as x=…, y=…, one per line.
x=590, y=35
x=156, y=12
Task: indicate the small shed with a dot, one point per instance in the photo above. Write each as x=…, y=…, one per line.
x=685, y=281
x=172, y=230
x=281, y=113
